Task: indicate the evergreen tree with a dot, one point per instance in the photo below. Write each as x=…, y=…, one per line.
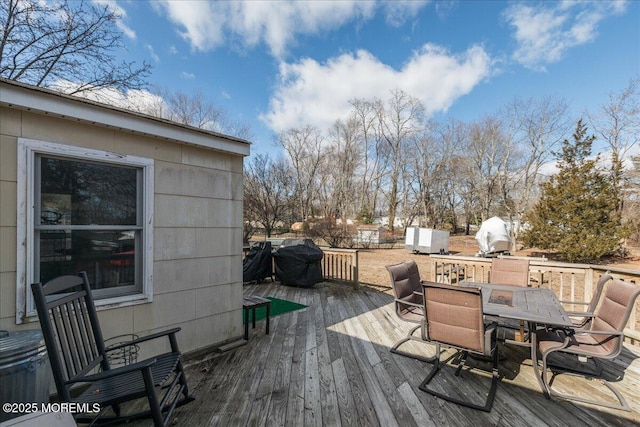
x=365, y=216
x=577, y=215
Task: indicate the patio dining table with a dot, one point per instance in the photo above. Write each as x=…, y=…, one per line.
x=536, y=306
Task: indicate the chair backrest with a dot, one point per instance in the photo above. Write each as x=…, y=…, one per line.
x=614, y=312
x=70, y=328
x=454, y=316
x=505, y=271
x=405, y=281
x=595, y=298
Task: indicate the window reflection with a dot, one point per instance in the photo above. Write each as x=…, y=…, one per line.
x=89, y=222
x=108, y=257
x=82, y=193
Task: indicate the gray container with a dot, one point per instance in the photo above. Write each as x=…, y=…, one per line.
x=427, y=241
x=25, y=374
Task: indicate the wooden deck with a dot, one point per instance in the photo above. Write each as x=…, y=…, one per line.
x=329, y=365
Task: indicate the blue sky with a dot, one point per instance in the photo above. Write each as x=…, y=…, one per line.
x=282, y=64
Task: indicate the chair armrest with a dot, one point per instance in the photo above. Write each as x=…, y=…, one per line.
x=139, y=366
x=172, y=331
x=410, y=303
x=580, y=314
x=489, y=336
x=424, y=329
x=419, y=295
x=573, y=302
x=586, y=331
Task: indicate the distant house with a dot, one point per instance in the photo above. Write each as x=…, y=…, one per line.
x=297, y=226
x=371, y=234
x=151, y=209
x=384, y=220
x=347, y=222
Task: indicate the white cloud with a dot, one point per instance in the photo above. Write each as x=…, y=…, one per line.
x=135, y=100
x=544, y=33
x=311, y=93
x=247, y=23
x=121, y=14
x=152, y=53
x=187, y=76
x=399, y=11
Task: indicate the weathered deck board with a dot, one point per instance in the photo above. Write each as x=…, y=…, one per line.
x=329, y=364
x=328, y=397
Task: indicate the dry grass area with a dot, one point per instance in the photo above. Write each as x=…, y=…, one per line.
x=372, y=262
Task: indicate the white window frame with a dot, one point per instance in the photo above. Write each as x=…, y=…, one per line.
x=28, y=149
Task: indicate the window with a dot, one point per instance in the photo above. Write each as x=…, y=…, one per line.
x=84, y=210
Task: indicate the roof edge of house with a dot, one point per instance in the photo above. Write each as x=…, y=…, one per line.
x=17, y=95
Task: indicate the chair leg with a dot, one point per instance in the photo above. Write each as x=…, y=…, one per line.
x=548, y=383
x=185, y=388
x=411, y=337
x=495, y=378
x=180, y=371
x=461, y=363
x=154, y=405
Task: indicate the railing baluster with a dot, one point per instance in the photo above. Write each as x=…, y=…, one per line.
x=340, y=265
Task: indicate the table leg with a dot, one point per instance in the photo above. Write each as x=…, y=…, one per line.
x=268, y=313
x=520, y=335
x=253, y=314
x=534, y=359
x=246, y=324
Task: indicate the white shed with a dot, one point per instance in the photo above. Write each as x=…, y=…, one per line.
x=371, y=234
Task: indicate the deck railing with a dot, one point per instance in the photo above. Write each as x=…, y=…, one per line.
x=570, y=282
x=340, y=265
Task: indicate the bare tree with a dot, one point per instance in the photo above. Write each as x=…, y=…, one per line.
x=65, y=45
x=370, y=168
x=338, y=171
x=486, y=156
x=400, y=121
x=304, y=150
x=197, y=110
x=268, y=192
x=436, y=177
x=618, y=124
x=633, y=200
x=533, y=128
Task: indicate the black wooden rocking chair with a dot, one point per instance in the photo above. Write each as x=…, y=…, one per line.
x=78, y=357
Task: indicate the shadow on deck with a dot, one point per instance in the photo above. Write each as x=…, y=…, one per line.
x=329, y=365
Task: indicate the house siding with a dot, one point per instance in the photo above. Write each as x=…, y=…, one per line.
x=197, y=263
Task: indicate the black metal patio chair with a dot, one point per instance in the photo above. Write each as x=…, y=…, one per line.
x=80, y=366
